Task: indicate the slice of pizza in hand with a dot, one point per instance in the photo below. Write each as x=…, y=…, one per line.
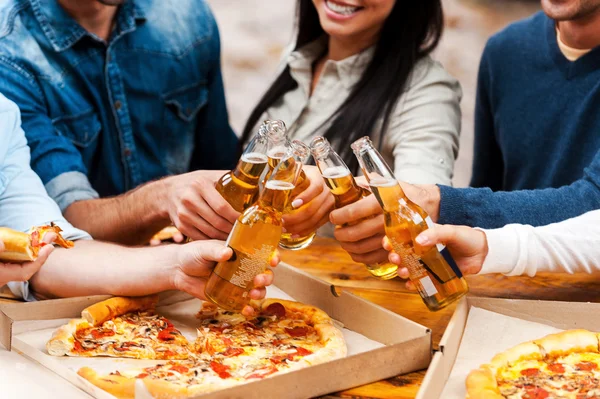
x=284, y=336
x=562, y=365
x=25, y=247
x=120, y=327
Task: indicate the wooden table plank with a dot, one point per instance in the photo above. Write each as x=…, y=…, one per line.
x=325, y=259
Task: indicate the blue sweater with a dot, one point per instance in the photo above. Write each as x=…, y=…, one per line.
x=537, y=133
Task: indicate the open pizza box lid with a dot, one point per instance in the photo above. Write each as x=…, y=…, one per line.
x=508, y=323
x=402, y=346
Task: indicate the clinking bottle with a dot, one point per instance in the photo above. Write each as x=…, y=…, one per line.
x=434, y=273
x=255, y=235
x=345, y=191
x=240, y=186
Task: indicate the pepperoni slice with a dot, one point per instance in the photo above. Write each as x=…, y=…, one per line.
x=97, y=334
x=302, y=351
x=586, y=366
x=278, y=359
x=77, y=347
x=297, y=331
x=166, y=335
x=227, y=341
x=179, y=368
x=275, y=309
x=530, y=372
x=231, y=352
x=142, y=375
x=220, y=369
x=536, y=393
x=269, y=371
x=556, y=368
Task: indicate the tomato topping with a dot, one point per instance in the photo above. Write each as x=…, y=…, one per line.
x=97, y=334
x=227, y=341
x=275, y=309
x=220, y=369
x=77, y=347
x=142, y=375
x=536, y=393
x=586, y=366
x=556, y=368
x=303, y=352
x=231, y=352
x=277, y=359
x=35, y=239
x=165, y=335
x=270, y=370
x=277, y=342
x=179, y=368
x=168, y=353
x=168, y=323
x=530, y=372
x=297, y=331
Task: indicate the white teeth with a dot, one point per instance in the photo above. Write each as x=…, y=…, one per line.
x=340, y=9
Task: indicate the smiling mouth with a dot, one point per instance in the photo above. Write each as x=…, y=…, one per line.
x=341, y=8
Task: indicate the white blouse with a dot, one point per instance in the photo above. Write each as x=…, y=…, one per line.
x=421, y=143
x=571, y=246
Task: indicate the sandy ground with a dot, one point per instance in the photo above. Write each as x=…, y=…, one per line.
x=254, y=34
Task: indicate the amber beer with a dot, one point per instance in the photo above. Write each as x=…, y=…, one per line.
x=255, y=235
x=345, y=190
x=433, y=271
x=278, y=144
x=240, y=186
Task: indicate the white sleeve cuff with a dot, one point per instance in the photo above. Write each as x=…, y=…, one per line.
x=503, y=251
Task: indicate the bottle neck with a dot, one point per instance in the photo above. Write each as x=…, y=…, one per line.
x=276, y=195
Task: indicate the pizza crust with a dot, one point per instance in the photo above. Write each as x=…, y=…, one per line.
x=569, y=341
x=106, y=310
x=119, y=386
x=61, y=343
x=481, y=384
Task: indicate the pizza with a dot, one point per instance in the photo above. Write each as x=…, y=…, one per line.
x=166, y=234
x=120, y=327
x=230, y=348
x=565, y=365
x=25, y=247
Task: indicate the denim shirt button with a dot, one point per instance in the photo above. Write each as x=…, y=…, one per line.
x=127, y=152
x=118, y=105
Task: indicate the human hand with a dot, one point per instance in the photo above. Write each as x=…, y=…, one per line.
x=361, y=230
x=196, y=261
x=24, y=271
x=311, y=206
x=467, y=246
x=427, y=196
x=196, y=208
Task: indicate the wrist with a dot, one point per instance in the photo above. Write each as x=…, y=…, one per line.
x=433, y=202
x=160, y=197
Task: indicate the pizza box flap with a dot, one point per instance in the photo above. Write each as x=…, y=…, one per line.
x=559, y=314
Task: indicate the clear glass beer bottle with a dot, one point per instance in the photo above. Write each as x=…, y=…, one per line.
x=256, y=234
x=278, y=144
x=345, y=191
x=239, y=187
x=434, y=273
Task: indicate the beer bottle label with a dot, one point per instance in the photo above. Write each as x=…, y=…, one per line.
x=428, y=286
x=446, y=254
x=430, y=224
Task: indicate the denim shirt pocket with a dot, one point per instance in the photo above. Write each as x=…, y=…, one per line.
x=182, y=106
x=82, y=128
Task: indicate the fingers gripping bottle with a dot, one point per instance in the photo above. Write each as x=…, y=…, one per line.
x=433, y=271
x=278, y=143
x=240, y=186
x=342, y=185
x=255, y=235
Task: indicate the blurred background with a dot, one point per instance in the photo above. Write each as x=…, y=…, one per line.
x=255, y=33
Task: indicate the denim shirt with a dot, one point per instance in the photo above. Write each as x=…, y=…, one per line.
x=102, y=117
x=23, y=200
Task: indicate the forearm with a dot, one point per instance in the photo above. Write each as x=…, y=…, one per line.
x=131, y=219
x=96, y=268
x=481, y=207
x=571, y=246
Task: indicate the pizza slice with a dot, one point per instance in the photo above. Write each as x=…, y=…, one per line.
x=120, y=327
x=25, y=247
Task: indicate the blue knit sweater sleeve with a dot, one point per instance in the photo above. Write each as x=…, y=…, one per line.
x=482, y=207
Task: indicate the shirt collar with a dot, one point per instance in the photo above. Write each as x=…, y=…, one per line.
x=349, y=69
x=62, y=31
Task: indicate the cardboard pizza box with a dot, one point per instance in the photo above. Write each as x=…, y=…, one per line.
x=552, y=314
x=402, y=346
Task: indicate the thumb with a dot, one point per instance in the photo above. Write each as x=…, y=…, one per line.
x=440, y=234
x=207, y=252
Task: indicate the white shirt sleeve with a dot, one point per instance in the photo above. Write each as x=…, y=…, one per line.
x=571, y=246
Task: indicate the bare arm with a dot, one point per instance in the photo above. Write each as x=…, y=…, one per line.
x=190, y=201
x=95, y=268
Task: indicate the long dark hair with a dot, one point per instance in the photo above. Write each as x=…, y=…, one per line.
x=412, y=31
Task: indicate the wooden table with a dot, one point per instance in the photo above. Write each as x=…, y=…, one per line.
x=327, y=260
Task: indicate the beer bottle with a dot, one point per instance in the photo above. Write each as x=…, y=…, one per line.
x=255, y=235
x=433, y=271
x=345, y=191
x=240, y=186
x=278, y=143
